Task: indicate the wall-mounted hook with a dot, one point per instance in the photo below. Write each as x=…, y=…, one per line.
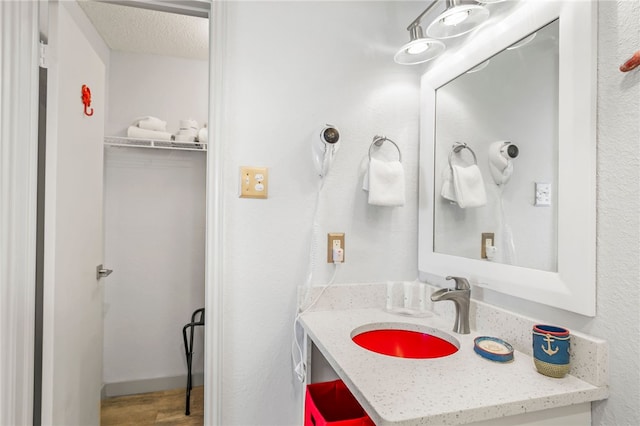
x=86, y=100
x=632, y=63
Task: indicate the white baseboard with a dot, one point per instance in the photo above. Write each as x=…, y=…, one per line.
x=149, y=385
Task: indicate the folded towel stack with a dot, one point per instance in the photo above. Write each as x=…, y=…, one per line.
x=151, y=123
x=188, y=130
x=203, y=134
x=149, y=128
x=385, y=183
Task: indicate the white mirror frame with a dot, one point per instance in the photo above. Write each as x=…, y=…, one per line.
x=573, y=286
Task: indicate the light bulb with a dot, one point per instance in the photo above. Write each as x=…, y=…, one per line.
x=417, y=48
x=455, y=18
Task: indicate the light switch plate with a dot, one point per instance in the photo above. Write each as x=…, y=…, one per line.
x=254, y=182
x=543, y=194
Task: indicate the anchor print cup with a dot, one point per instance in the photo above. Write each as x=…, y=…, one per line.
x=551, y=350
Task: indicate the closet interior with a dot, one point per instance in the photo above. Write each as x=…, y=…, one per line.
x=154, y=194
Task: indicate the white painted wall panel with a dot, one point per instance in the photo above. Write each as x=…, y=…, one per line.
x=291, y=67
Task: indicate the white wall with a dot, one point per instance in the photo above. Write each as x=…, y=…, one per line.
x=291, y=67
x=154, y=225
x=618, y=219
x=162, y=86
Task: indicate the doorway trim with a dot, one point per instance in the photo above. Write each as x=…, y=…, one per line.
x=214, y=284
x=18, y=199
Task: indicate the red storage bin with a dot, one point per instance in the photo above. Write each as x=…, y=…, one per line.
x=331, y=404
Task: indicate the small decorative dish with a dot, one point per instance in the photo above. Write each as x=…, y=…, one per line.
x=493, y=349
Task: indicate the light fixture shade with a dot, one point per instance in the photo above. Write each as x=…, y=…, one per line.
x=419, y=51
x=457, y=20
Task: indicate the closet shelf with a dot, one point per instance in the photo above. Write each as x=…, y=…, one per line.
x=151, y=143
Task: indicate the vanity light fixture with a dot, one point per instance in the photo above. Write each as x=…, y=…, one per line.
x=419, y=49
x=457, y=19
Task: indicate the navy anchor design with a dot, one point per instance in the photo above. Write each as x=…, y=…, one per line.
x=548, y=350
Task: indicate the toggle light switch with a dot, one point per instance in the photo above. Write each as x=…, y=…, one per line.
x=253, y=182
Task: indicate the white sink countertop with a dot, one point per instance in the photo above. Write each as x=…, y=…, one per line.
x=460, y=388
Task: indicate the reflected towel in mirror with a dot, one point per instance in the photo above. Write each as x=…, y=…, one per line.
x=469, y=186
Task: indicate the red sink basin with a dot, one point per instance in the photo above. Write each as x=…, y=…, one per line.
x=404, y=343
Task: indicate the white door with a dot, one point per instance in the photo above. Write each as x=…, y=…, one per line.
x=72, y=329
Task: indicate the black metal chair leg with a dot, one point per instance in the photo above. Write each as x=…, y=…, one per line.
x=188, y=347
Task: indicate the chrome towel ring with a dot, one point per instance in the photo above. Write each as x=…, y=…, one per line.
x=379, y=140
x=459, y=146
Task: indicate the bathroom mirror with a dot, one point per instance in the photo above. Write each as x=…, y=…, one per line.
x=542, y=253
x=518, y=221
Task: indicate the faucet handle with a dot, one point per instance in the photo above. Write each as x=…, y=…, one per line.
x=461, y=283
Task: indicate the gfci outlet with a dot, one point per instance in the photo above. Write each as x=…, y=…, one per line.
x=335, y=240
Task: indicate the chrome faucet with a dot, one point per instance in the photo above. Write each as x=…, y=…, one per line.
x=460, y=296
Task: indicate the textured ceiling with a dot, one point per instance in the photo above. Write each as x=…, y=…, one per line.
x=130, y=29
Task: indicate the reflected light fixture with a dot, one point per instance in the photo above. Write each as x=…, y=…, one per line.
x=457, y=19
x=522, y=42
x=479, y=67
x=419, y=49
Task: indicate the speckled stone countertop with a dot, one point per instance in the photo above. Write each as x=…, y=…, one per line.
x=461, y=388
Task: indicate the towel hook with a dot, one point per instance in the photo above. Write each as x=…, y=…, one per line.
x=459, y=146
x=379, y=140
x=86, y=100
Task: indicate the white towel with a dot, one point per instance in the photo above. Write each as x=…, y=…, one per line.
x=469, y=186
x=386, y=183
x=188, y=132
x=448, y=190
x=137, y=132
x=203, y=135
x=189, y=123
x=185, y=138
x=151, y=123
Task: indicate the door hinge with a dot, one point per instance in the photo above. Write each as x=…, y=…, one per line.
x=102, y=272
x=44, y=55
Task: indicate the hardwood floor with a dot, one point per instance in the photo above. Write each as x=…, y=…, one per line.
x=156, y=408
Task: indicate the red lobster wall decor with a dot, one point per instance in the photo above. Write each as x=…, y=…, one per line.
x=632, y=63
x=86, y=100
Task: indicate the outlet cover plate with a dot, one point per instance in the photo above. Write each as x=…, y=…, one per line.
x=483, y=244
x=331, y=237
x=254, y=182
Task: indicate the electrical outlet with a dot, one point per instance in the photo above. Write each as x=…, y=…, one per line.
x=253, y=182
x=335, y=240
x=487, y=237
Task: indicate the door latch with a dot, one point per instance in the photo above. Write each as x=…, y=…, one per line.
x=102, y=272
